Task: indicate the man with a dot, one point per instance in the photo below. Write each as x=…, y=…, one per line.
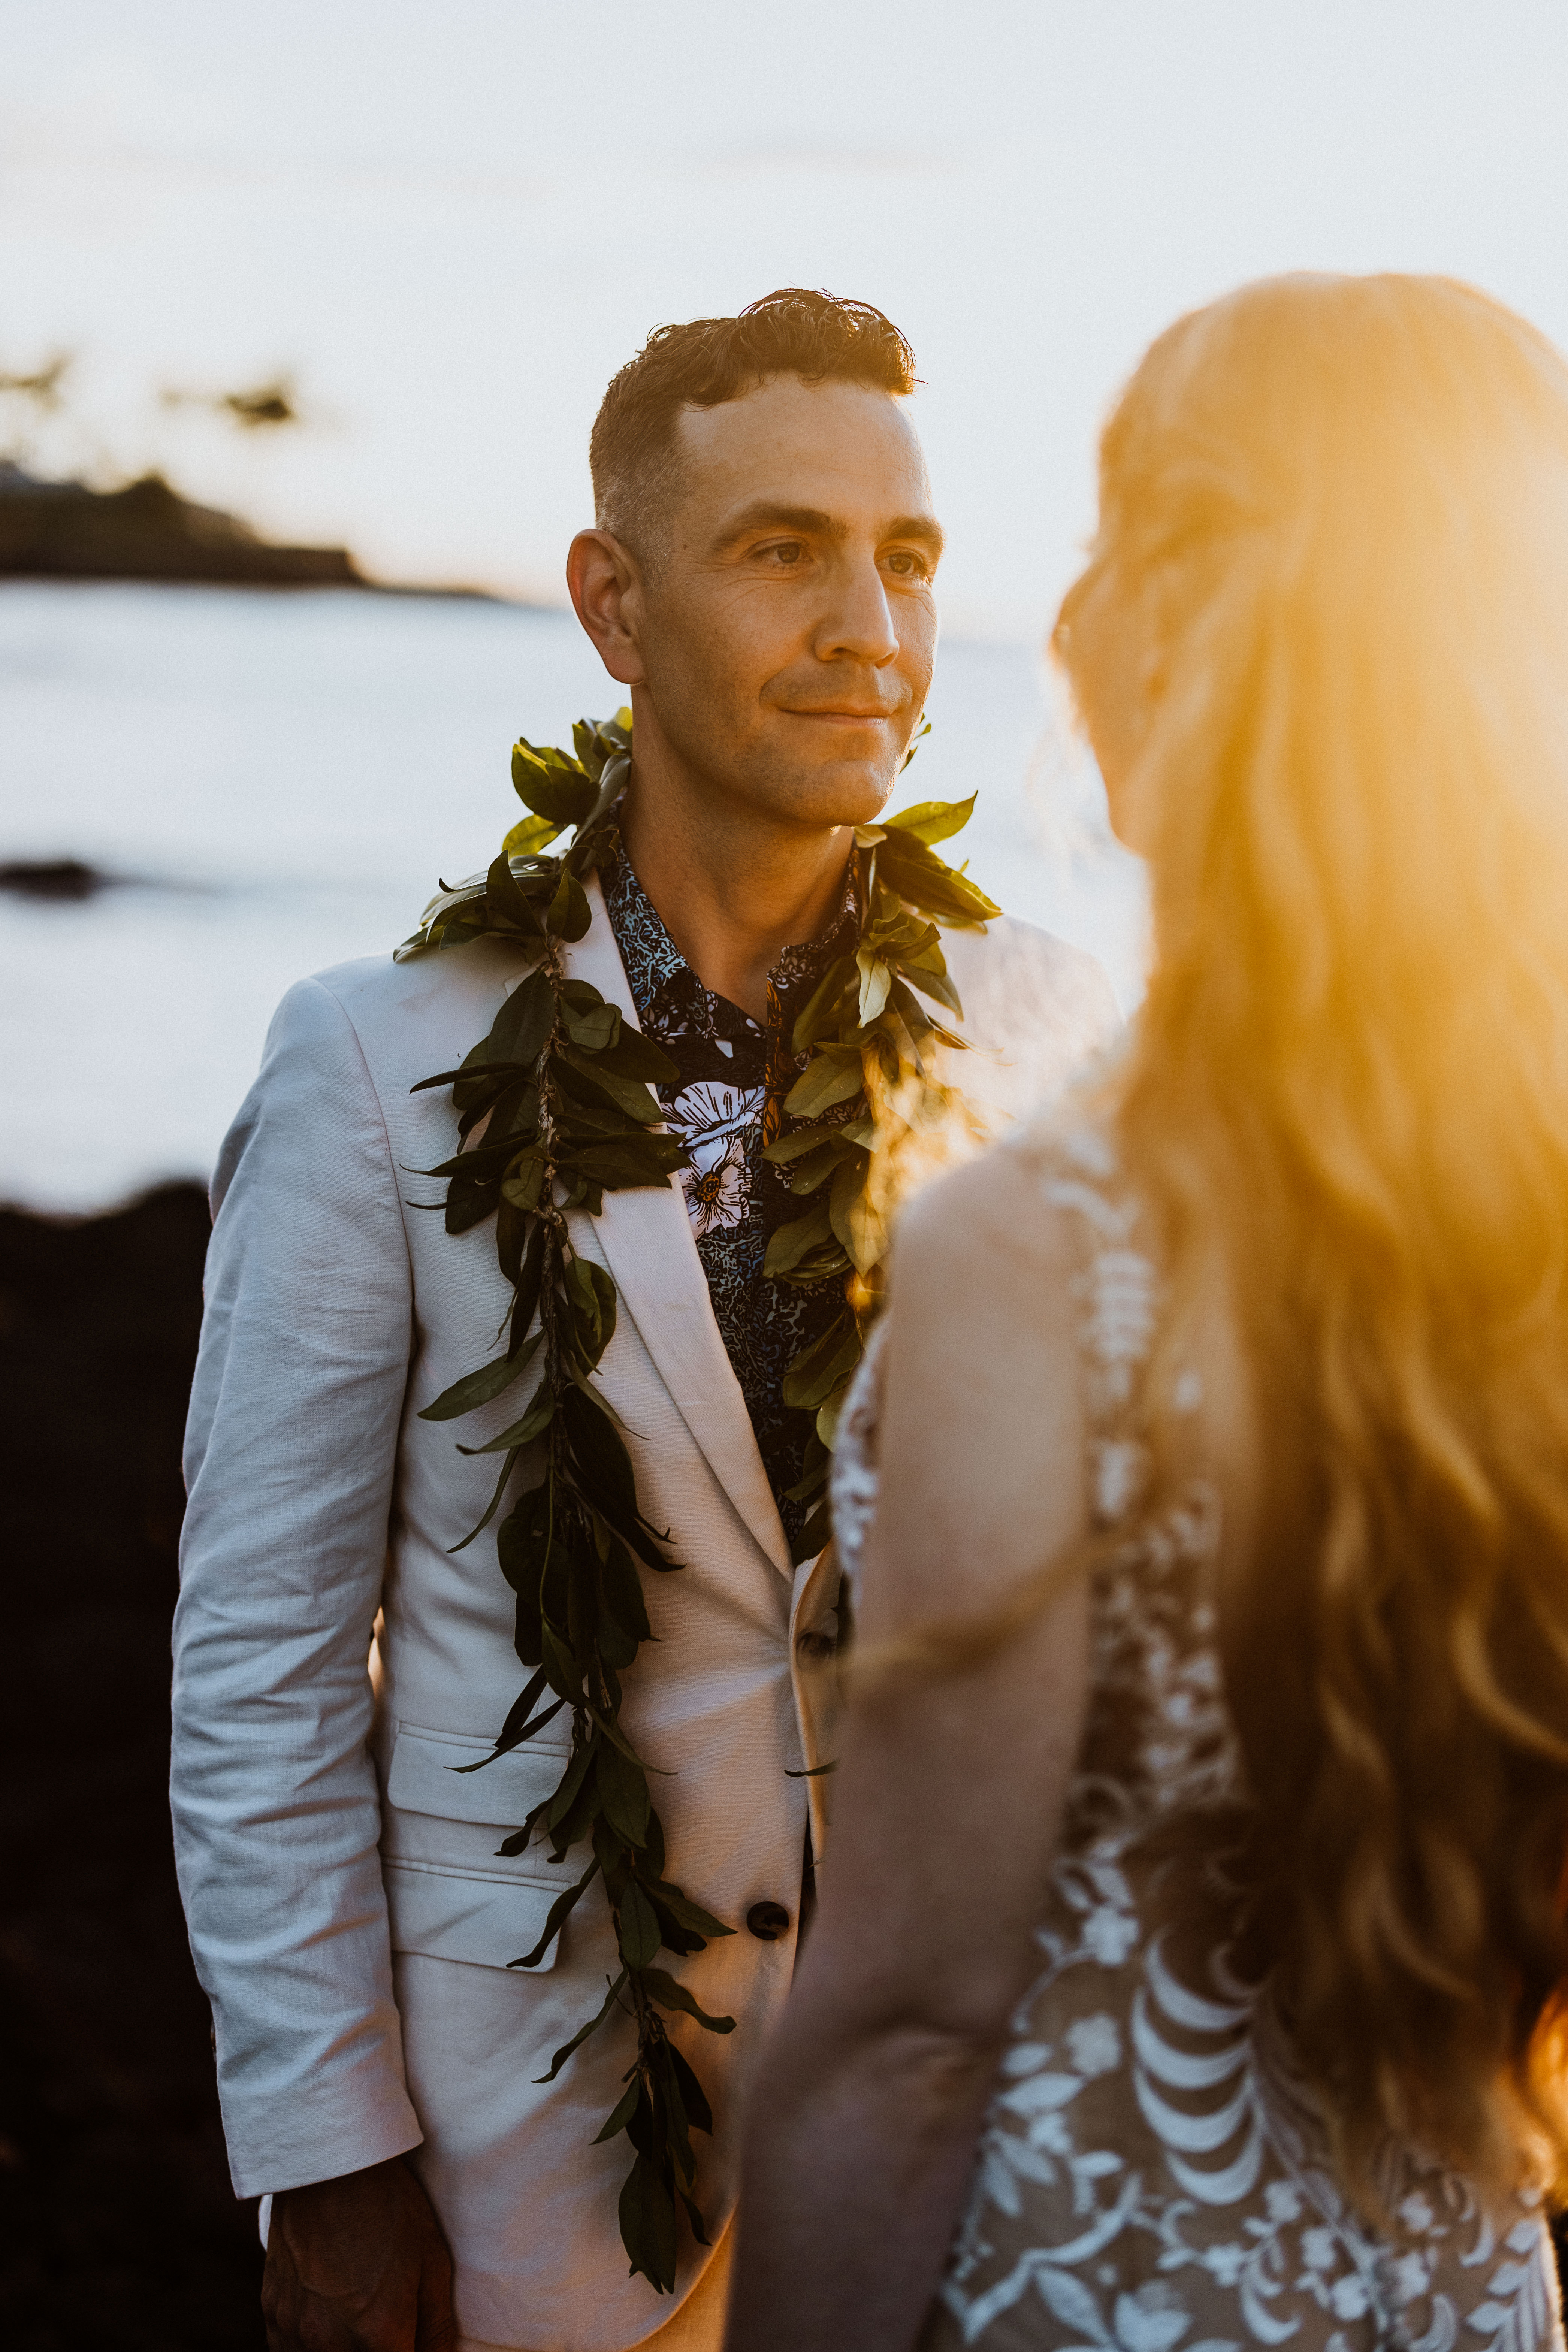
x=760, y=581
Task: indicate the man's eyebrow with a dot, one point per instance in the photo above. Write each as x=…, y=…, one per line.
x=923, y=527
x=770, y=514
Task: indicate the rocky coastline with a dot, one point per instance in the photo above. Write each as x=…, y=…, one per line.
x=146, y=531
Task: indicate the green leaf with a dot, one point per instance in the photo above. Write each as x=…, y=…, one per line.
x=535, y=1423
x=522, y=1188
x=507, y=1467
x=919, y=876
x=876, y=980
x=561, y=1668
x=824, y=1366
x=635, y=1056
x=591, y=1294
x=621, y=2114
x=564, y=1902
x=854, y=1221
x=551, y=786
x=832, y=1076
x=809, y=1173
x=693, y=2098
x=641, y=1163
x=826, y=1006
x=678, y=1939
x=660, y=1985
x=510, y=1734
x=814, y=1535
x=528, y=837
x=793, y=1241
x=799, y=1140
x=584, y=1122
x=612, y=1732
x=623, y=1790
x=606, y=1465
x=588, y=746
x=470, y=1205
x=521, y=1724
x=646, y=2215
x=527, y=1273
x=639, y=1935
x=600, y=1081
x=694, y=2215
x=523, y=1024
x=928, y=972
x=583, y=2031
x=576, y=1824
x=479, y=1387
x=570, y=913
x=504, y=899
x=518, y=1840
x=813, y=1479
x=688, y=1914
x=594, y=1029
x=933, y=821
x=572, y=1779
x=622, y=1588
x=677, y=2136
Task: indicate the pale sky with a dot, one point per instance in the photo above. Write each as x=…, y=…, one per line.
x=455, y=218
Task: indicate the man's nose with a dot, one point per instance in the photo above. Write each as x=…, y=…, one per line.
x=858, y=623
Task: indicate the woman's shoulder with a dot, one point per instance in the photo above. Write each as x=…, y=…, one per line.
x=1023, y=1201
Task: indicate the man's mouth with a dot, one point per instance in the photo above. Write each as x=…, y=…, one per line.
x=844, y=715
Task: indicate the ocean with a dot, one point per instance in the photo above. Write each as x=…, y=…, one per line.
x=279, y=779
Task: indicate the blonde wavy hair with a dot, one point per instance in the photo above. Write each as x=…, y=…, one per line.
x=1339, y=508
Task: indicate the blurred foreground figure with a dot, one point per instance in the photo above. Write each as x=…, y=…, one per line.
x=760, y=579
x=1191, y=1959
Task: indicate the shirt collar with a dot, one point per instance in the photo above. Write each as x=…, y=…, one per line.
x=632, y=910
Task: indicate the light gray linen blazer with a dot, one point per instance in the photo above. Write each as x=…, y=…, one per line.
x=333, y=1658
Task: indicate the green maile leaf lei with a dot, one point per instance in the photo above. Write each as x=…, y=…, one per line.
x=555, y=1108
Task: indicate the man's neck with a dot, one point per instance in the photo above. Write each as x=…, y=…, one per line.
x=732, y=888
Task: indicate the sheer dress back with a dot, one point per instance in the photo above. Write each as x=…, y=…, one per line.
x=1154, y=2175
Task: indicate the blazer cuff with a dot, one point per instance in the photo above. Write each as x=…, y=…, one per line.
x=322, y=2131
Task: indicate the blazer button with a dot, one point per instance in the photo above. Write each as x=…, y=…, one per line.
x=767, y=1921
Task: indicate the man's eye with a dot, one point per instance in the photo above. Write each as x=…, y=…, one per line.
x=905, y=564
x=788, y=552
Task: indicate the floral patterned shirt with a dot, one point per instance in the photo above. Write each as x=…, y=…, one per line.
x=726, y=1106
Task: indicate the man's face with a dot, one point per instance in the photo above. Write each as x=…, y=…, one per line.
x=789, y=632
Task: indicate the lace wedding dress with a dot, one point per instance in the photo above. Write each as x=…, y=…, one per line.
x=1153, y=2176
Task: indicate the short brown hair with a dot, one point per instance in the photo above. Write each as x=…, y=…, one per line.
x=632, y=454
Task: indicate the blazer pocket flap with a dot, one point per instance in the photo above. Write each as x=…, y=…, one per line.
x=423, y=1779
x=486, y=1921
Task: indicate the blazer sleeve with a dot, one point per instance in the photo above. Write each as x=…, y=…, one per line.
x=290, y=1457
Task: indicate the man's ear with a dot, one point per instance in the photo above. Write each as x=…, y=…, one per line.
x=606, y=592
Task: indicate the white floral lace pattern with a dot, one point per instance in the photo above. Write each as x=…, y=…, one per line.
x=1154, y=2175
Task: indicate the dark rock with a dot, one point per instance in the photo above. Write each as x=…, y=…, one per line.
x=64, y=530
x=119, y=2231
x=53, y=877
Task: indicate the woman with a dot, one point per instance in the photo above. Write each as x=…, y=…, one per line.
x=1203, y=1816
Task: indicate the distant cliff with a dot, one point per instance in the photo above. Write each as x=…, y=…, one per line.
x=63, y=530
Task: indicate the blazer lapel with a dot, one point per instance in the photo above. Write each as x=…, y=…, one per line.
x=646, y=1241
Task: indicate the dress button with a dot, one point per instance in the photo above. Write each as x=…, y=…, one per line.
x=767, y=1921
